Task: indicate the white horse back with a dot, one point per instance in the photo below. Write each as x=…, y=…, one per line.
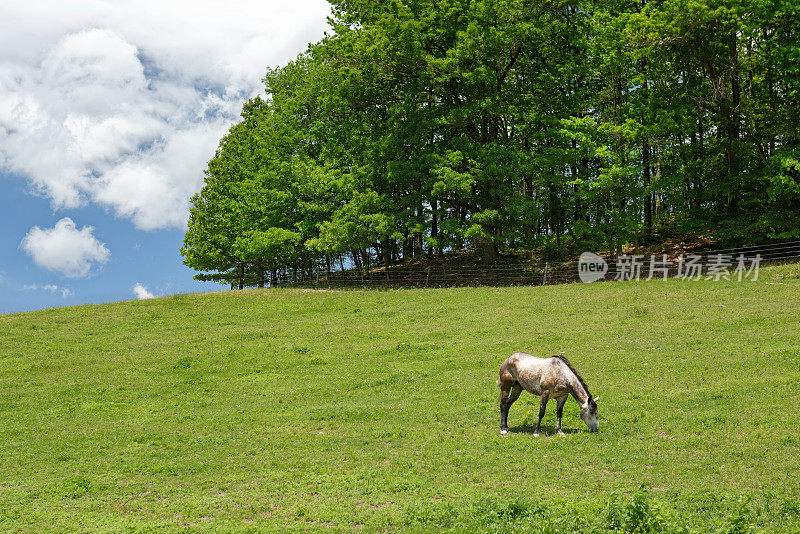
x=530, y=370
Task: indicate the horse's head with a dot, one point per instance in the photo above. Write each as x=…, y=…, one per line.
x=589, y=414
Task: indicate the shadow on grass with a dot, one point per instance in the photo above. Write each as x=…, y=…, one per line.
x=544, y=430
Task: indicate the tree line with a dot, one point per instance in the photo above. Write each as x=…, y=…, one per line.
x=415, y=127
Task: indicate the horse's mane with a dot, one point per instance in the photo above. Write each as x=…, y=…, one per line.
x=585, y=387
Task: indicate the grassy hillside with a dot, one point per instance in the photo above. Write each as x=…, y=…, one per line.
x=311, y=409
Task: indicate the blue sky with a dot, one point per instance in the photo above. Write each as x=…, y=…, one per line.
x=109, y=113
x=148, y=258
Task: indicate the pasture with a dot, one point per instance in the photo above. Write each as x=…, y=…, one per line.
x=293, y=409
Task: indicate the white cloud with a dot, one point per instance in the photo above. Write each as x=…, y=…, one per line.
x=51, y=288
x=65, y=249
x=141, y=292
x=123, y=103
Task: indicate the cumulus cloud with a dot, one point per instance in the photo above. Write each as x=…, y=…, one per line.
x=141, y=292
x=65, y=249
x=122, y=104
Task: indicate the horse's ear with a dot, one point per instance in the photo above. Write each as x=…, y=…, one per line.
x=597, y=398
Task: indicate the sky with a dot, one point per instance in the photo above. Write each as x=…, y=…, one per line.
x=109, y=114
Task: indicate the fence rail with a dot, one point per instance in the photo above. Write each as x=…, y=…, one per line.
x=546, y=272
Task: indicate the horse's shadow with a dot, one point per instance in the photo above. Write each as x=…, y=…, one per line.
x=544, y=430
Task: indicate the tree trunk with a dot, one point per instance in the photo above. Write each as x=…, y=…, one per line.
x=357, y=261
x=459, y=240
x=366, y=259
x=576, y=194
x=648, y=206
x=386, y=249
x=489, y=251
x=260, y=274
x=435, y=227
x=732, y=149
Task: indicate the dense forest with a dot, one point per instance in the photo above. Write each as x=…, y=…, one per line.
x=415, y=127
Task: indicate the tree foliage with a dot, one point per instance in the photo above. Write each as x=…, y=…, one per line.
x=419, y=126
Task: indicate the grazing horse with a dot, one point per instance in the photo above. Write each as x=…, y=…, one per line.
x=550, y=378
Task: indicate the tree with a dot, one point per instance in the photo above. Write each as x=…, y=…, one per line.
x=417, y=127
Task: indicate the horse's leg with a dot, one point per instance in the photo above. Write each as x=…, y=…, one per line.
x=542, y=406
x=516, y=390
x=506, y=383
x=506, y=400
x=504, y=409
x=559, y=412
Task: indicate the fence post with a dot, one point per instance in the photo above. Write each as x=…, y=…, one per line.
x=546, y=266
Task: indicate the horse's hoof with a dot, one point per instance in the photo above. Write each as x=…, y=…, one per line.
x=503, y=432
x=535, y=434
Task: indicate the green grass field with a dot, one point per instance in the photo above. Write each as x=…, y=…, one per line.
x=304, y=410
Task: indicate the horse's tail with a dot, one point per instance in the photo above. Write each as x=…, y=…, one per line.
x=504, y=375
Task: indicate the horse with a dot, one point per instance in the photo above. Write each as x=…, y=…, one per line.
x=550, y=378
